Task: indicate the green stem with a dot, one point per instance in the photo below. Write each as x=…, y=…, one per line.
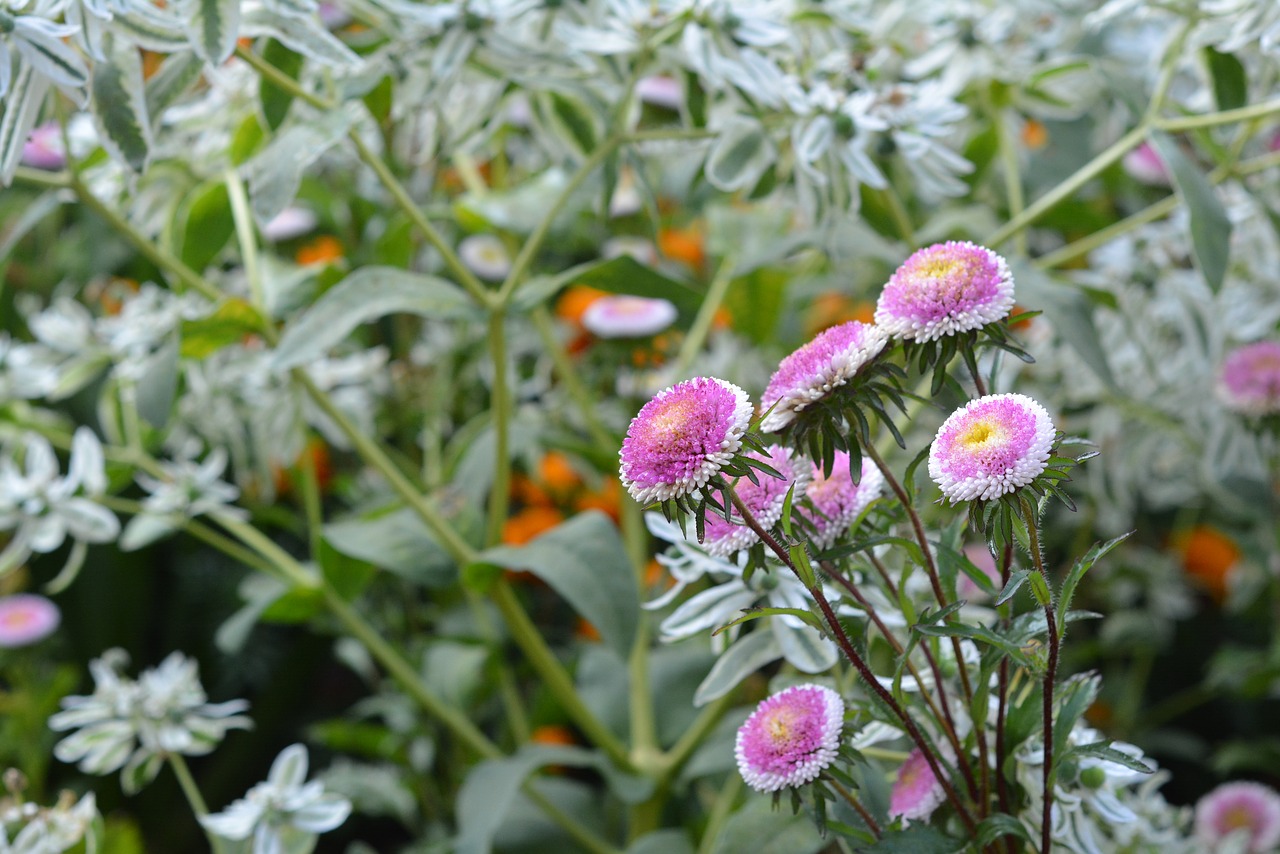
x=294, y=572
x=855, y=803
x=568, y=375
x=312, y=505
x=245, y=237
x=500, y=414
x=1050, y=677
x=644, y=729
x=1012, y=174
x=680, y=752
x=524, y=258
x=706, y=315
x=194, y=798
x=1222, y=117
x=720, y=812
x=553, y=675
x=42, y=179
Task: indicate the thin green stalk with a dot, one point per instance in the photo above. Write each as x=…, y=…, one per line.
x=644, y=730
x=1069, y=186
x=312, y=506
x=553, y=675
x=680, y=752
x=1012, y=174
x=524, y=258
x=706, y=315
x=855, y=803
x=720, y=812
x=194, y=798
x=568, y=375
x=1221, y=117
x=373, y=455
x=293, y=571
x=1050, y=677
x=500, y=414
x=40, y=178
x=1168, y=67
x=244, y=236
x=398, y=192
x=1103, y=236
x=589, y=841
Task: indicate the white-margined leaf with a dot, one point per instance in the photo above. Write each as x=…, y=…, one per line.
x=213, y=26
x=739, y=157
x=747, y=655
x=21, y=106
x=305, y=35
x=275, y=173
x=40, y=44
x=120, y=104
x=151, y=28
x=171, y=80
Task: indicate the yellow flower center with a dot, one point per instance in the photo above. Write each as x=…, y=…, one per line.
x=779, y=726
x=979, y=434
x=1237, y=817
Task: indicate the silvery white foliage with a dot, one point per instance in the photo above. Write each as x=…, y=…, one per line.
x=130, y=725
x=188, y=488
x=284, y=813
x=42, y=507
x=27, y=371
x=137, y=21
x=724, y=602
x=27, y=828
x=31, y=31
x=1107, y=806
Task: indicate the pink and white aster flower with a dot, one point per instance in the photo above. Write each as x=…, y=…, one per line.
x=683, y=437
x=1250, y=379
x=1240, y=808
x=990, y=447
x=26, y=618
x=809, y=374
x=764, y=499
x=945, y=289
x=916, y=792
x=625, y=316
x=790, y=738
x=838, y=500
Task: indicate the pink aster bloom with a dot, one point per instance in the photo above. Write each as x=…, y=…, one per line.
x=26, y=618
x=838, y=500
x=1144, y=164
x=293, y=221
x=43, y=148
x=682, y=437
x=990, y=447
x=916, y=792
x=945, y=289
x=830, y=360
x=1235, y=807
x=1250, y=379
x=661, y=91
x=765, y=501
x=624, y=316
x=790, y=738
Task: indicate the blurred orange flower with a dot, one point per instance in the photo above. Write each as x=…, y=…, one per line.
x=321, y=250
x=686, y=245
x=1208, y=557
x=528, y=523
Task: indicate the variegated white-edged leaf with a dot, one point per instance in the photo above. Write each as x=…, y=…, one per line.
x=171, y=80
x=40, y=43
x=152, y=28
x=21, y=107
x=213, y=27
x=304, y=35
x=120, y=104
x=739, y=157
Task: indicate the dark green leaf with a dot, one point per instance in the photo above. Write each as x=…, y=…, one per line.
x=1210, y=227
x=120, y=104
x=1230, y=85
x=276, y=101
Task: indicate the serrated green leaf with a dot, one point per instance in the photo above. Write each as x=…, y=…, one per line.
x=1039, y=588
x=213, y=27
x=1015, y=581
x=171, y=80
x=1209, y=224
x=118, y=98
x=1103, y=750
x=575, y=121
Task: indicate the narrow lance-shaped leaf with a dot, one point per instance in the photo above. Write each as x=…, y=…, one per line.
x=213, y=26
x=21, y=106
x=120, y=104
x=1210, y=227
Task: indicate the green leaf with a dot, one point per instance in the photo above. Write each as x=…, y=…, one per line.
x=669, y=841
x=367, y=294
x=1103, y=750
x=173, y=78
x=917, y=840
x=229, y=324
x=978, y=633
x=574, y=120
x=207, y=224
x=302, y=33
x=1077, y=572
x=1039, y=587
x=1074, y=697
x=1210, y=227
x=1015, y=581
x=749, y=614
x=740, y=155
x=490, y=790
x=999, y=825
x=213, y=27
x=1230, y=85
x=275, y=173
x=246, y=141
x=760, y=829
x=584, y=561
x=120, y=104
x=276, y=101
x=745, y=656
x=158, y=384
x=397, y=541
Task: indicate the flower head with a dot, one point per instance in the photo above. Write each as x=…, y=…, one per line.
x=1250, y=379
x=1236, y=807
x=916, y=792
x=990, y=447
x=43, y=148
x=293, y=221
x=790, y=738
x=828, y=361
x=1144, y=164
x=282, y=807
x=26, y=618
x=764, y=499
x=838, y=500
x=486, y=256
x=624, y=316
x=945, y=289
x=682, y=437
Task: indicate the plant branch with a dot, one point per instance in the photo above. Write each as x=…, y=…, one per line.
x=1051, y=672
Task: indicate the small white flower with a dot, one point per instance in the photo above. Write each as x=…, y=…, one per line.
x=486, y=256
x=282, y=808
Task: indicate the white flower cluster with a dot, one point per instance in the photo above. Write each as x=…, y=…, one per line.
x=28, y=828
x=131, y=725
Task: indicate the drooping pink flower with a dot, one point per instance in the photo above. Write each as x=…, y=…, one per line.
x=838, y=500
x=1237, y=807
x=790, y=738
x=916, y=792
x=1250, y=379
x=990, y=447
x=682, y=437
x=43, y=148
x=943, y=290
x=625, y=316
x=1144, y=164
x=830, y=360
x=26, y=618
x=765, y=500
